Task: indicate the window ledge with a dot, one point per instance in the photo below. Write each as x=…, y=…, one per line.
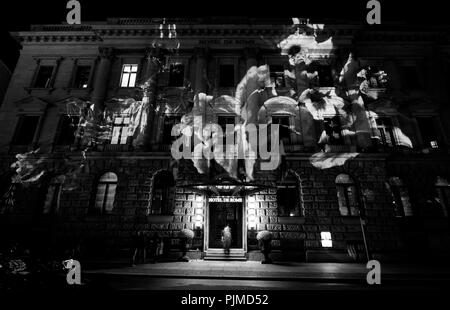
x=69, y=89
x=291, y=220
x=48, y=89
x=350, y=219
x=333, y=148
x=18, y=148
x=115, y=148
x=159, y=218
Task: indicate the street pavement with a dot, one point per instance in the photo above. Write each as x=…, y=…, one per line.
x=199, y=274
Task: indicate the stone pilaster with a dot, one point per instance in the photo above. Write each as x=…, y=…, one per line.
x=391, y=68
x=200, y=71
x=150, y=80
x=98, y=97
x=251, y=57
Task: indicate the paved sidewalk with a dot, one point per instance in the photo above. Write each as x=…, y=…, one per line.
x=328, y=272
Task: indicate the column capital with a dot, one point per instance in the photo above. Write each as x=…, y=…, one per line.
x=153, y=52
x=201, y=52
x=106, y=52
x=251, y=52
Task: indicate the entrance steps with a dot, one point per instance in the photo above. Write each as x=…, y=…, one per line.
x=219, y=254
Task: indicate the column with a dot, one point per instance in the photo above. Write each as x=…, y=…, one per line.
x=200, y=71
x=391, y=68
x=98, y=97
x=150, y=79
x=251, y=57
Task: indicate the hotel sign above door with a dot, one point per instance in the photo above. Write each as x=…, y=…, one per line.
x=225, y=199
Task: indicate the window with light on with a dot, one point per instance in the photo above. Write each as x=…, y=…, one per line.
x=129, y=73
x=325, y=237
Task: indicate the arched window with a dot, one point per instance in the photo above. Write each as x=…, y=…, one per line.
x=443, y=195
x=347, y=195
x=163, y=193
x=400, y=197
x=288, y=197
x=106, y=191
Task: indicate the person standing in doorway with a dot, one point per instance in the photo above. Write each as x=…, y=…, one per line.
x=226, y=239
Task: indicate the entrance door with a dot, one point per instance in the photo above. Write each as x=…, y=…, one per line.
x=221, y=214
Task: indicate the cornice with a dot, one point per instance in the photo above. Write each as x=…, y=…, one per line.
x=100, y=32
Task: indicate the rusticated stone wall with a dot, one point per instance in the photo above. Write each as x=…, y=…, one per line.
x=318, y=200
x=321, y=210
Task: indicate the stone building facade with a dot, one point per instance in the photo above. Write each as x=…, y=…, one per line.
x=382, y=191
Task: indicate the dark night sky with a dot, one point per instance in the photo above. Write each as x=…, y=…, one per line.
x=18, y=14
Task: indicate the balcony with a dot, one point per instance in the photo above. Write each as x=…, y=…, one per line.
x=342, y=148
x=297, y=148
x=161, y=147
x=115, y=147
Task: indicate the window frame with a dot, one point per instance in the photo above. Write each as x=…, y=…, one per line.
x=59, y=133
x=94, y=208
x=170, y=81
x=75, y=75
x=396, y=185
x=296, y=211
x=345, y=186
x=274, y=75
x=289, y=132
x=43, y=62
x=163, y=136
x=219, y=76
x=19, y=126
x=224, y=132
x=336, y=118
x=50, y=77
x=55, y=199
x=122, y=72
x=123, y=127
x=384, y=130
x=320, y=68
x=168, y=207
x=436, y=128
x=440, y=188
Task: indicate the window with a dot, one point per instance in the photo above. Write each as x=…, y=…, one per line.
x=67, y=129
x=7, y=190
x=400, y=197
x=285, y=132
x=347, y=195
x=277, y=76
x=410, y=77
x=226, y=76
x=332, y=128
x=82, y=75
x=26, y=130
x=428, y=132
x=325, y=76
x=163, y=193
x=384, y=126
x=120, y=129
x=288, y=197
x=443, y=195
x=169, y=122
x=176, y=75
x=128, y=77
x=325, y=237
x=223, y=121
x=106, y=191
x=51, y=203
x=44, y=77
